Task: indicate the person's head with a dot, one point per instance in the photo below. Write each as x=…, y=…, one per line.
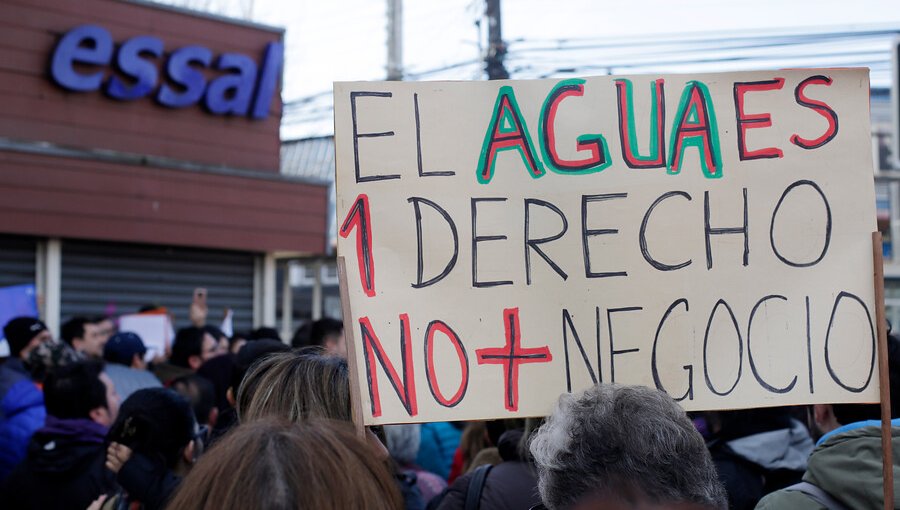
x=312, y=466
x=329, y=334
x=106, y=326
x=159, y=424
x=192, y=347
x=623, y=445
x=301, y=336
x=24, y=334
x=403, y=442
x=219, y=371
x=246, y=357
x=826, y=417
x=85, y=336
x=49, y=356
x=81, y=391
x=235, y=343
x=125, y=348
x=220, y=337
x=264, y=333
x=201, y=395
x=295, y=386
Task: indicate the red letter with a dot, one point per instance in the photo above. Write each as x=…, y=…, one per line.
x=511, y=356
x=695, y=126
x=433, y=327
x=597, y=160
x=359, y=217
x=820, y=108
x=627, y=133
x=406, y=389
x=507, y=131
x=747, y=121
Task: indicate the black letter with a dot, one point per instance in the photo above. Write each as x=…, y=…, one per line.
x=753, y=369
x=729, y=230
x=737, y=330
x=689, y=394
x=533, y=243
x=419, y=146
x=586, y=233
x=477, y=239
x=450, y=265
x=567, y=319
x=357, y=135
x=643, y=234
x=831, y=371
x=612, y=350
x=827, y=224
x=809, y=349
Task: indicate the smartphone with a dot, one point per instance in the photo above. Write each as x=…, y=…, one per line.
x=200, y=296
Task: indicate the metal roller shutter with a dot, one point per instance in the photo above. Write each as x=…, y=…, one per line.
x=17, y=260
x=100, y=278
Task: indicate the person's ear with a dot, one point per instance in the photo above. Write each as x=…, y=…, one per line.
x=194, y=362
x=229, y=396
x=100, y=415
x=213, y=417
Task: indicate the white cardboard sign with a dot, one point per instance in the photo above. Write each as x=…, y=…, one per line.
x=709, y=235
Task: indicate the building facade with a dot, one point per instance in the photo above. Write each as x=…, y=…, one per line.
x=140, y=159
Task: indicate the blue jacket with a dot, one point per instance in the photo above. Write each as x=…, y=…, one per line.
x=439, y=443
x=21, y=414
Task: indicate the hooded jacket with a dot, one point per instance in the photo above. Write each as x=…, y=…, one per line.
x=510, y=485
x=752, y=466
x=23, y=414
x=847, y=465
x=64, y=468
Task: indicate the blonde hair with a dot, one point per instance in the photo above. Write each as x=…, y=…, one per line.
x=295, y=386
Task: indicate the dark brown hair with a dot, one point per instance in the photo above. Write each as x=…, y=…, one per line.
x=278, y=465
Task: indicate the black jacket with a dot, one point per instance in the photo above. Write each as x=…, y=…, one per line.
x=148, y=482
x=64, y=468
x=510, y=485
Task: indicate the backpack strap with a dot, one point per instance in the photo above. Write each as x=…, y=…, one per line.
x=818, y=495
x=476, y=485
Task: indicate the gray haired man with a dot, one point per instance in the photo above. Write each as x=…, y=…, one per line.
x=627, y=447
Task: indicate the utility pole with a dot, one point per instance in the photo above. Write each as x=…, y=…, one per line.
x=395, y=40
x=496, y=48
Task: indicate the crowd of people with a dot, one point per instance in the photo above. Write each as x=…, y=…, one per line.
x=253, y=422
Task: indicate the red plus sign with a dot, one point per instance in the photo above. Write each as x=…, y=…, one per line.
x=511, y=356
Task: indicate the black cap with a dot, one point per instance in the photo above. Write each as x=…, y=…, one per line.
x=121, y=348
x=20, y=331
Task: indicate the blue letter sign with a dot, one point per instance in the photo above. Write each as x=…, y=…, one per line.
x=241, y=88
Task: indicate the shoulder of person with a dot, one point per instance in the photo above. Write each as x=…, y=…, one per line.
x=788, y=500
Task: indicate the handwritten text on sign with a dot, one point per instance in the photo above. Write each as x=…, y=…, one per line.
x=708, y=235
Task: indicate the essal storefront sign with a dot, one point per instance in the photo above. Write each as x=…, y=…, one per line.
x=241, y=87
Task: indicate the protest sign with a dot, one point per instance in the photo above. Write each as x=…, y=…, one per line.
x=16, y=301
x=155, y=329
x=508, y=241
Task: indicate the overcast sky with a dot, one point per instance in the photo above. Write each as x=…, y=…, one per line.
x=345, y=39
x=336, y=40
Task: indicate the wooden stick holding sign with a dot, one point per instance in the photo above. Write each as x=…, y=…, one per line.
x=355, y=401
x=884, y=381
